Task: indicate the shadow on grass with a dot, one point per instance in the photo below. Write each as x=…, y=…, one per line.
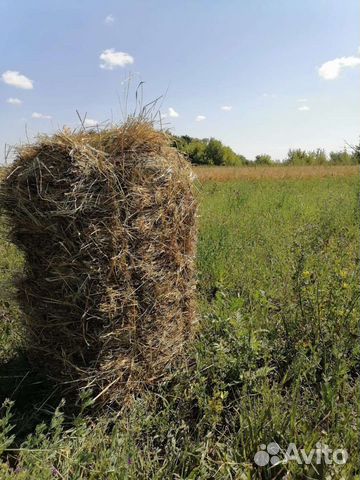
x=35, y=397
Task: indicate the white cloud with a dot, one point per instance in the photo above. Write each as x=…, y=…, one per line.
x=14, y=101
x=302, y=100
x=269, y=95
x=11, y=77
x=41, y=116
x=304, y=108
x=226, y=108
x=112, y=59
x=200, y=118
x=173, y=113
x=332, y=69
x=90, y=122
x=163, y=115
x=109, y=19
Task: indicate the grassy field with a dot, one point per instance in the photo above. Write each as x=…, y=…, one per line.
x=276, y=358
x=276, y=172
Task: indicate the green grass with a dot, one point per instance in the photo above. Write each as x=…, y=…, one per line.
x=276, y=358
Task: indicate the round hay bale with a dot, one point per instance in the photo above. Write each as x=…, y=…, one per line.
x=107, y=223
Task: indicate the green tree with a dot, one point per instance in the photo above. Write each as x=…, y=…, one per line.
x=320, y=157
x=302, y=157
x=196, y=152
x=263, y=159
x=230, y=158
x=342, y=157
x=215, y=152
x=297, y=157
x=243, y=160
x=356, y=153
x=207, y=151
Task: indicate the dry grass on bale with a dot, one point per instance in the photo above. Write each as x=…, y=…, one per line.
x=106, y=220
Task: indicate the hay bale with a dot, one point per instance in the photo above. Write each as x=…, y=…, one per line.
x=106, y=221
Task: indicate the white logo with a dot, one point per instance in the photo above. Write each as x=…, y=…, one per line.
x=271, y=454
x=267, y=454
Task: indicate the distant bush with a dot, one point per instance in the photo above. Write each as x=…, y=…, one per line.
x=263, y=159
x=195, y=150
x=318, y=157
x=342, y=158
x=303, y=157
x=208, y=151
x=356, y=153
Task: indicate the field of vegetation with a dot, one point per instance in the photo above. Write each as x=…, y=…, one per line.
x=276, y=358
x=277, y=172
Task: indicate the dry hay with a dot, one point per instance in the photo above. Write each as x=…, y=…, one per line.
x=106, y=220
x=273, y=172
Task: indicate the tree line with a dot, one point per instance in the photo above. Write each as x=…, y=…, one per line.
x=210, y=151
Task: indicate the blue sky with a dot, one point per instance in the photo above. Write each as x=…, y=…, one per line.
x=287, y=69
